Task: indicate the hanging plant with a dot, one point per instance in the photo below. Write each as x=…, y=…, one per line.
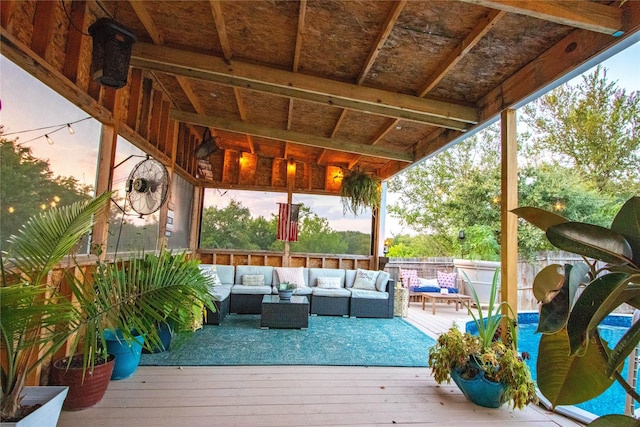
x=359, y=191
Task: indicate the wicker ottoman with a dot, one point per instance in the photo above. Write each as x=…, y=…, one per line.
x=277, y=313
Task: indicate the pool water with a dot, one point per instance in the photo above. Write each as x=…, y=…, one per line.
x=612, y=401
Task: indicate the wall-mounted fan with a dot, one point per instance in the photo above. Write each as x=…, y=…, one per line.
x=208, y=146
x=147, y=186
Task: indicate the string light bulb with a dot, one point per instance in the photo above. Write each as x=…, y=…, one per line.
x=49, y=140
x=70, y=129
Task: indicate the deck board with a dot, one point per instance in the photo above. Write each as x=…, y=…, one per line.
x=300, y=395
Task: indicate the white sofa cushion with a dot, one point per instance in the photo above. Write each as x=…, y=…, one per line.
x=382, y=281
x=252, y=280
x=293, y=275
x=209, y=271
x=226, y=274
x=253, y=290
x=329, y=282
x=349, y=278
x=315, y=273
x=364, y=293
x=366, y=279
x=221, y=292
x=323, y=292
x=265, y=270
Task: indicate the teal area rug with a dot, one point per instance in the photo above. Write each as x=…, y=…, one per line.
x=329, y=340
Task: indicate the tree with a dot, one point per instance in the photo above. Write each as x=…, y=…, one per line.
x=228, y=227
x=27, y=186
x=581, y=158
x=594, y=128
x=315, y=235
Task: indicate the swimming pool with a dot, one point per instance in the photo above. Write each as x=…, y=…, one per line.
x=612, y=401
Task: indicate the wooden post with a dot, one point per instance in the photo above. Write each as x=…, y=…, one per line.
x=509, y=201
x=291, y=180
x=107, y=155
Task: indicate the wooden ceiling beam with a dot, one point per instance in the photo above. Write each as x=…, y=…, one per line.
x=221, y=29
x=151, y=27
x=295, y=85
x=461, y=50
x=295, y=137
x=586, y=15
x=382, y=38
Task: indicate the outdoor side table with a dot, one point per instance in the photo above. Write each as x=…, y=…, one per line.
x=401, y=302
x=277, y=313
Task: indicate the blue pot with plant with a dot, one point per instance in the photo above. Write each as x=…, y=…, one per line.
x=127, y=353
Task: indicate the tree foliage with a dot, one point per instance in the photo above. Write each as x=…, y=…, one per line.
x=28, y=186
x=579, y=157
x=233, y=227
x=593, y=127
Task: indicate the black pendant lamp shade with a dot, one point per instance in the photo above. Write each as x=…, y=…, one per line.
x=111, y=52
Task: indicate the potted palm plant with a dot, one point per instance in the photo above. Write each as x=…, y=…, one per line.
x=32, y=309
x=486, y=366
x=120, y=296
x=574, y=363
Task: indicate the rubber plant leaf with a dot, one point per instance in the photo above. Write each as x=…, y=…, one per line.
x=627, y=223
x=548, y=282
x=597, y=301
x=555, y=313
x=623, y=349
x=614, y=420
x=568, y=380
x=591, y=241
x=539, y=217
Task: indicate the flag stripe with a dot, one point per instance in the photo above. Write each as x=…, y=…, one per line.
x=287, y=222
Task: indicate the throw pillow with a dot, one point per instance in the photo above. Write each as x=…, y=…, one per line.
x=365, y=279
x=447, y=280
x=329, y=282
x=253, y=280
x=293, y=275
x=209, y=271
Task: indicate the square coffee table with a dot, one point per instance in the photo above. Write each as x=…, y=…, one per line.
x=277, y=313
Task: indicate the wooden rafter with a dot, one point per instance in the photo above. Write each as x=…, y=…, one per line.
x=151, y=27
x=461, y=50
x=221, y=28
x=585, y=15
x=295, y=137
x=243, y=115
x=310, y=88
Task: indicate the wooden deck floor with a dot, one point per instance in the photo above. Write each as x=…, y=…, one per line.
x=299, y=395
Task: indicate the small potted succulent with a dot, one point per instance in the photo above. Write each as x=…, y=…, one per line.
x=486, y=366
x=285, y=290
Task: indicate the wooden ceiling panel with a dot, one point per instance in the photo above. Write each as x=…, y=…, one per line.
x=266, y=147
x=217, y=100
x=507, y=48
x=423, y=37
x=187, y=24
x=178, y=97
x=338, y=36
x=262, y=32
x=266, y=110
x=405, y=135
x=360, y=127
x=314, y=118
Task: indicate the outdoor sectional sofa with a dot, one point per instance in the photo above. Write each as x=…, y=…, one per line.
x=331, y=292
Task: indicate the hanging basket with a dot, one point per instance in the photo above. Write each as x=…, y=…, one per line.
x=111, y=52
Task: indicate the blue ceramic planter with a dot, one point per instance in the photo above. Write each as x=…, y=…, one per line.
x=127, y=354
x=480, y=390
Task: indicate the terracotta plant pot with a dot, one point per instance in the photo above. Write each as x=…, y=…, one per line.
x=82, y=394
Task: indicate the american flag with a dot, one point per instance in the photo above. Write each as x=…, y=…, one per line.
x=288, y=222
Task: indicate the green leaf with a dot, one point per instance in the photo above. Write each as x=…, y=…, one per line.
x=614, y=420
x=568, y=380
x=555, y=313
x=548, y=282
x=596, y=302
x=591, y=241
x=627, y=223
x=539, y=217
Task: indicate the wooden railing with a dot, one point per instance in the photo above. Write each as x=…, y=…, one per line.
x=277, y=259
